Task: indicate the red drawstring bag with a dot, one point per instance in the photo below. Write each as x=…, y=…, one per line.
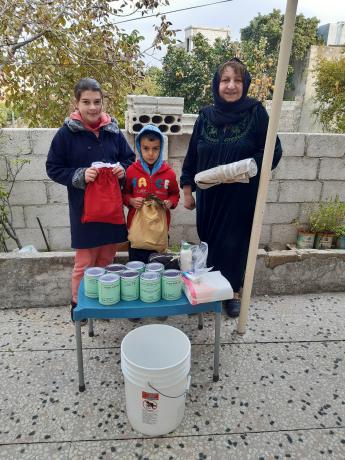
x=103, y=199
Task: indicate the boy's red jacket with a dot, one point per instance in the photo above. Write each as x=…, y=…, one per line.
x=139, y=183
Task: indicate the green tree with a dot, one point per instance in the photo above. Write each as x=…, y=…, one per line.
x=269, y=27
x=330, y=93
x=188, y=74
x=45, y=47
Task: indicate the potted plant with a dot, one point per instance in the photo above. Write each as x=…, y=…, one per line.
x=340, y=234
x=324, y=220
x=305, y=237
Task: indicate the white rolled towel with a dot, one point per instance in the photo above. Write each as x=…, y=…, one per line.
x=239, y=171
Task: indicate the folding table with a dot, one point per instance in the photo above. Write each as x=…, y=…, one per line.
x=91, y=309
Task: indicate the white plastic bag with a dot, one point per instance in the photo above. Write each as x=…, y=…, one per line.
x=199, y=260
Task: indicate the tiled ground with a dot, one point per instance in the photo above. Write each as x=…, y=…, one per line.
x=281, y=392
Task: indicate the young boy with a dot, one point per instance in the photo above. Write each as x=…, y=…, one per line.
x=149, y=175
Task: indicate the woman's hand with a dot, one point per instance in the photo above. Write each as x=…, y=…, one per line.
x=136, y=203
x=189, y=202
x=91, y=174
x=119, y=171
x=167, y=204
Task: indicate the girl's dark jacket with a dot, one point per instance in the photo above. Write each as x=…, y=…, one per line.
x=72, y=150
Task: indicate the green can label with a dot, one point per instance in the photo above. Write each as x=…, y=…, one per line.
x=150, y=287
x=109, y=289
x=91, y=276
x=129, y=285
x=171, y=285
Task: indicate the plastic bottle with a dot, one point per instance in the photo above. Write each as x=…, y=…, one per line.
x=186, y=257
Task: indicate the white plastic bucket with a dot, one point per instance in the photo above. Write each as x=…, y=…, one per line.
x=155, y=361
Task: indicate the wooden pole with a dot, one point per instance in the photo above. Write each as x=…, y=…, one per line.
x=283, y=61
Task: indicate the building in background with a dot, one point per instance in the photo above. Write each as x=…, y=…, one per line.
x=210, y=33
x=333, y=33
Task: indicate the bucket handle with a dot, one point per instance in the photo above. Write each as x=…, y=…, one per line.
x=172, y=397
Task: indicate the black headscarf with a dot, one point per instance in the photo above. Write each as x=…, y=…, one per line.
x=222, y=112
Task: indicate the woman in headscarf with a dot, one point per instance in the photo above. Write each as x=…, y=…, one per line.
x=232, y=129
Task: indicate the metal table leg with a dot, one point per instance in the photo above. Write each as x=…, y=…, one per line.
x=91, y=333
x=79, y=356
x=200, y=321
x=216, y=346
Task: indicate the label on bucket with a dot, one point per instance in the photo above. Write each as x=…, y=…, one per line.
x=146, y=395
x=150, y=412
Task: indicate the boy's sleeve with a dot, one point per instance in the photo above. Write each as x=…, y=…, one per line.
x=174, y=191
x=126, y=154
x=128, y=190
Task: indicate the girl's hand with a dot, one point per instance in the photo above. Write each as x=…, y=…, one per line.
x=91, y=174
x=136, y=203
x=119, y=171
x=167, y=204
x=189, y=202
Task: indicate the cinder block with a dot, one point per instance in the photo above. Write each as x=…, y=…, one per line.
x=59, y=238
x=333, y=188
x=293, y=144
x=183, y=232
x=35, y=170
x=51, y=216
x=265, y=236
x=279, y=213
x=304, y=211
x=15, y=142
x=56, y=193
x=178, y=146
x=325, y=145
x=32, y=236
x=283, y=233
x=332, y=169
x=182, y=216
x=294, y=191
x=129, y=138
x=273, y=190
x=188, y=122
x=28, y=193
x=297, y=168
x=18, y=220
x=40, y=139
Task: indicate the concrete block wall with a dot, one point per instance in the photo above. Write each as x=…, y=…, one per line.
x=312, y=169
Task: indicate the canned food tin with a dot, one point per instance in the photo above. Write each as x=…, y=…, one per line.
x=109, y=289
x=171, y=285
x=136, y=265
x=129, y=285
x=155, y=267
x=91, y=276
x=115, y=268
x=150, y=287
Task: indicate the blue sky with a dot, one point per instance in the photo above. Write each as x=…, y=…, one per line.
x=235, y=15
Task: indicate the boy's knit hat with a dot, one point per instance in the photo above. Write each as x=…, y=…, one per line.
x=147, y=129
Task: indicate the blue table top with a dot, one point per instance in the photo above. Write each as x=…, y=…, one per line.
x=91, y=308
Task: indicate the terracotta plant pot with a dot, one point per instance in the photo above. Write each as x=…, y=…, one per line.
x=305, y=239
x=323, y=240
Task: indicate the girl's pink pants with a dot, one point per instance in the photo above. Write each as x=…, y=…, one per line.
x=93, y=257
